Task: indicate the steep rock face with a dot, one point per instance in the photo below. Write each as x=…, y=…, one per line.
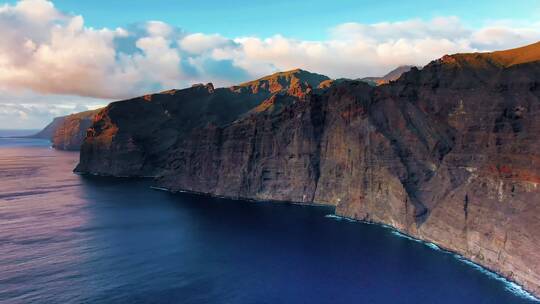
x=467, y=140
x=267, y=155
x=133, y=137
x=68, y=132
x=448, y=154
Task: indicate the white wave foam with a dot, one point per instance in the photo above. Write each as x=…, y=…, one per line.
x=509, y=285
x=339, y=218
x=159, y=188
x=405, y=236
x=433, y=246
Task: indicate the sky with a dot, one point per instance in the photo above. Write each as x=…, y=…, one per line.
x=64, y=56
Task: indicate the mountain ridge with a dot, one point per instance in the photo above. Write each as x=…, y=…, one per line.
x=498, y=59
x=134, y=123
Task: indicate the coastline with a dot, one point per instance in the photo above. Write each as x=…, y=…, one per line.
x=510, y=284
x=246, y=199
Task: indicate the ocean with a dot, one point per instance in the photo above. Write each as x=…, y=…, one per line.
x=66, y=238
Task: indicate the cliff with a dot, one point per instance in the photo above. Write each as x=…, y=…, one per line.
x=448, y=154
x=68, y=132
x=134, y=137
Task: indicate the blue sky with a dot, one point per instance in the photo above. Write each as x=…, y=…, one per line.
x=296, y=19
x=63, y=56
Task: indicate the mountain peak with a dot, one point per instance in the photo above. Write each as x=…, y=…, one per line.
x=390, y=76
x=505, y=58
x=281, y=81
x=397, y=72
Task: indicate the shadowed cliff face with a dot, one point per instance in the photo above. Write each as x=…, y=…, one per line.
x=449, y=153
x=134, y=137
x=68, y=132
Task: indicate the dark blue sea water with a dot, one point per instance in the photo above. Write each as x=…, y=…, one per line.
x=71, y=239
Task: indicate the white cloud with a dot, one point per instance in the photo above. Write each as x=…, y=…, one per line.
x=199, y=43
x=52, y=53
x=437, y=28
x=158, y=28
x=504, y=36
x=29, y=116
x=35, y=10
x=357, y=50
x=27, y=110
x=159, y=61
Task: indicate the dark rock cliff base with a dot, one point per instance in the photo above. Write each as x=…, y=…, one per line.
x=449, y=154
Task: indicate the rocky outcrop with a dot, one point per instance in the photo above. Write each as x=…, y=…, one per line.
x=68, y=132
x=449, y=153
